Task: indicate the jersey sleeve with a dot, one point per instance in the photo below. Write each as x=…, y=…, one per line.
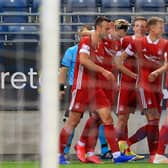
x=130, y=50
x=84, y=46
x=126, y=41
x=166, y=52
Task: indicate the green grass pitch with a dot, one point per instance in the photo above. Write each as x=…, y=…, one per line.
x=77, y=164
x=108, y=164
x=19, y=164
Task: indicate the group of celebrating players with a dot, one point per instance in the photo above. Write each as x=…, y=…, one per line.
x=114, y=69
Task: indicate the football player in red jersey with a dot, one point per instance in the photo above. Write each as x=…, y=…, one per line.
x=163, y=134
x=127, y=97
x=86, y=92
x=112, y=45
x=151, y=52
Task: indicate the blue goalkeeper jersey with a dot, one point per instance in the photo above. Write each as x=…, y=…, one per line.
x=69, y=60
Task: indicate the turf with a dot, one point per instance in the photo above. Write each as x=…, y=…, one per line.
x=21, y=164
x=77, y=164
x=136, y=164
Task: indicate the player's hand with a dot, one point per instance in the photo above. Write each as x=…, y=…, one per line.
x=152, y=76
x=135, y=76
x=108, y=75
x=61, y=95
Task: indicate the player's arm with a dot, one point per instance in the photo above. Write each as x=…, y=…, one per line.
x=63, y=74
x=119, y=64
x=89, y=64
x=62, y=80
x=153, y=75
x=65, y=65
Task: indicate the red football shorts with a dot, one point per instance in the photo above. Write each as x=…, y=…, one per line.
x=93, y=98
x=150, y=99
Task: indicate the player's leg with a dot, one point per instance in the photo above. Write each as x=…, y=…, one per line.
x=74, y=118
x=66, y=132
x=105, y=152
x=123, y=114
x=68, y=146
x=104, y=111
x=152, y=135
x=151, y=102
x=88, y=139
x=66, y=115
x=163, y=141
x=67, y=102
x=92, y=140
x=126, y=104
x=137, y=136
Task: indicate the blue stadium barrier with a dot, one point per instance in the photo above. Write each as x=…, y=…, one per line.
x=117, y=6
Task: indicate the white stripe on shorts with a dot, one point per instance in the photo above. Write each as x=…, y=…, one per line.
x=142, y=96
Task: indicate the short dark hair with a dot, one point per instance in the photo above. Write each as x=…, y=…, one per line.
x=139, y=18
x=101, y=19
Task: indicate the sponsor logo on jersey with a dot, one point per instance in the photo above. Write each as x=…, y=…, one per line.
x=149, y=101
x=144, y=50
x=99, y=58
x=154, y=59
x=77, y=105
x=159, y=52
x=111, y=52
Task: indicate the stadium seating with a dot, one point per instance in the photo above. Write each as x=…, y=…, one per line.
x=166, y=2
x=166, y=30
x=150, y=6
x=24, y=33
x=84, y=6
x=14, y=10
x=66, y=34
x=36, y=5
x=3, y=29
x=115, y=7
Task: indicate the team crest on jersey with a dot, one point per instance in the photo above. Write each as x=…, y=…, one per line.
x=144, y=50
x=99, y=58
x=121, y=108
x=159, y=52
x=116, y=47
x=106, y=43
x=149, y=101
x=77, y=105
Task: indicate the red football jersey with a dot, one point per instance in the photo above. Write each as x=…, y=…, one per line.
x=83, y=77
x=151, y=56
x=113, y=48
x=130, y=62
